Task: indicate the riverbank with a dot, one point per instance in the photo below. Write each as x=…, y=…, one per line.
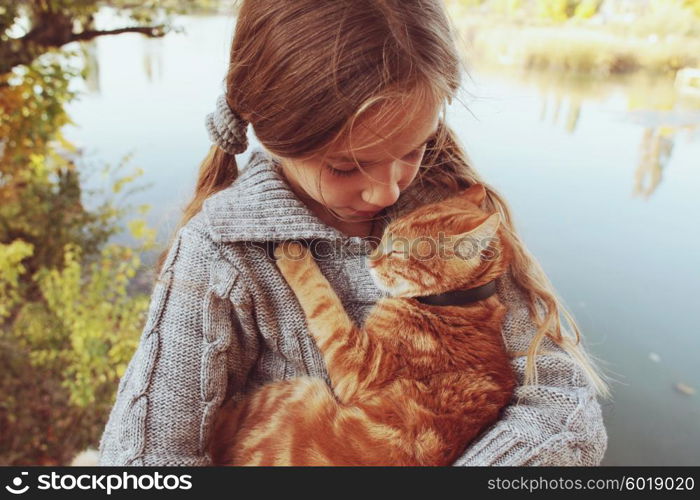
x=587, y=48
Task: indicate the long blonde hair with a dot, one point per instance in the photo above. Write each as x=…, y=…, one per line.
x=301, y=73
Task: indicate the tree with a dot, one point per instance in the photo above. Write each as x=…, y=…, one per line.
x=68, y=324
x=29, y=28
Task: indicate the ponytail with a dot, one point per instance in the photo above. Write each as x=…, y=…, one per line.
x=217, y=171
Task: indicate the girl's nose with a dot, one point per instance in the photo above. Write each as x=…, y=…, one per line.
x=383, y=191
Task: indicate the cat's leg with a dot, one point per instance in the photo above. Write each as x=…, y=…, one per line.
x=345, y=347
x=322, y=307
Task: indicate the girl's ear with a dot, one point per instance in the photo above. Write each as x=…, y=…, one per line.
x=475, y=193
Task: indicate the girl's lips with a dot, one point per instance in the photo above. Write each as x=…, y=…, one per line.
x=366, y=214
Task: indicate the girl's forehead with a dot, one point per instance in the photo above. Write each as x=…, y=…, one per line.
x=397, y=130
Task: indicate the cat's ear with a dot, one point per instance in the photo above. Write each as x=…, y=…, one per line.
x=470, y=243
x=475, y=193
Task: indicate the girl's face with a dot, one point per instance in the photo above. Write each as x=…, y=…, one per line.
x=389, y=165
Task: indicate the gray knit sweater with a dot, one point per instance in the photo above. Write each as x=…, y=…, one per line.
x=222, y=321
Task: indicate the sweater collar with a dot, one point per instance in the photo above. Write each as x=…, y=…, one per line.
x=261, y=206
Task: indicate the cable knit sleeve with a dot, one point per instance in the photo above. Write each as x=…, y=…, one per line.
x=555, y=423
x=179, y=374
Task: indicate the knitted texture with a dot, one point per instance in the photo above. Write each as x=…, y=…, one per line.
x=223, y=321
x=226, y=129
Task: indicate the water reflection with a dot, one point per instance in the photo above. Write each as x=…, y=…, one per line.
x=152, y=59
x=656, y=148
x=91, y=63
x=573, y=109
x=662, y=106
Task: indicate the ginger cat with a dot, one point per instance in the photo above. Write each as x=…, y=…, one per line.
x=418, y=382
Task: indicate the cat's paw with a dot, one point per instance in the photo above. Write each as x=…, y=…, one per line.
x=290, y=250
x=291, y=257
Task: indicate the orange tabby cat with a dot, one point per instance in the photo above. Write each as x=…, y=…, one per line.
x=418, y=382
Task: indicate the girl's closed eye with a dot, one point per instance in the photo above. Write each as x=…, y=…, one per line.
x=412, y=156
x=339, y=173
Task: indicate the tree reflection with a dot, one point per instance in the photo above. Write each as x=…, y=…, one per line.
x=655, y=149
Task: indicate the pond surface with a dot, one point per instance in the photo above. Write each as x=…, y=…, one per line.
x=602, y=177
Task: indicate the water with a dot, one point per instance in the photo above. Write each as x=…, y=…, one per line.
x=602, y=177
x=626, y=264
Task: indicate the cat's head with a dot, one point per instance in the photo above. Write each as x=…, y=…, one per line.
x=448, y=245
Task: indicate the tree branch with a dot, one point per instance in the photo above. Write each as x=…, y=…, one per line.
x=149, y=31
x=54, y=31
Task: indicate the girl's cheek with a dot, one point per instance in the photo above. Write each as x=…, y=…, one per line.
x=409, y=177
x=341, y=193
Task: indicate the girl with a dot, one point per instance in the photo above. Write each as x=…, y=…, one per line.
x=348, y=100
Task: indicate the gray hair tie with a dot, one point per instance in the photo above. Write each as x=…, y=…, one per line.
x=226, y=128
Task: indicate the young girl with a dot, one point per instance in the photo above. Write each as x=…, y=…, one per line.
x=348, y=100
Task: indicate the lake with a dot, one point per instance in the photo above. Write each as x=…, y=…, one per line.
x=602, y=177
